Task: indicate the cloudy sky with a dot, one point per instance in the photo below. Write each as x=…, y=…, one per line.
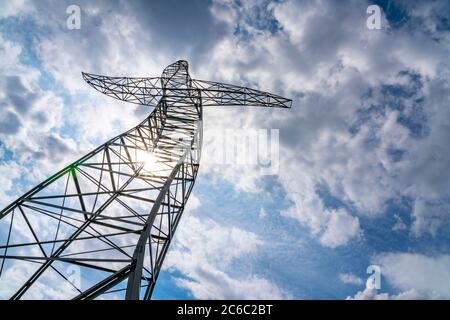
x=364, y=159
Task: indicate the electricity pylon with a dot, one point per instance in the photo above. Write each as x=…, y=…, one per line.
x=111, y=215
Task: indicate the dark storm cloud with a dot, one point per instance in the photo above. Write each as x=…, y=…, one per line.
x=56, y=145
x=184, y=27
x=9, y=122
x=94, y=15
x=406, y=98
x=40, y=117
x=50, y=147
x=150, y=29
x=20, y=97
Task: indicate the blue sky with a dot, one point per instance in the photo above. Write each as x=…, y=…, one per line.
x=364, y=171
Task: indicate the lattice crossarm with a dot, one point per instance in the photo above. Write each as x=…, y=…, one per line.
x=141, y=91
x=222, y=94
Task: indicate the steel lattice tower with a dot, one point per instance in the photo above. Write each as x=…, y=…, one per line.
x=112, y=214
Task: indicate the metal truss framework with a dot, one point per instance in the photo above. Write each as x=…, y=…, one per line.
x=113, y=213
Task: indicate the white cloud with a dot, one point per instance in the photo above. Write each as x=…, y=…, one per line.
x=333, y=82
x=341, y=227
x=407, y=271
x=317, y=145
x=9, y=171
x=416, y=276
x=203, y=251
x=333, y=227
x=349, y=278
x=429, y=215
x=12, y=8
x=211, y=283
x=372, y=294
x=262, y=213
x=32, y=118
x=323, y=57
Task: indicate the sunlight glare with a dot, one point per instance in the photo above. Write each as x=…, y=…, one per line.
x=150, y=160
